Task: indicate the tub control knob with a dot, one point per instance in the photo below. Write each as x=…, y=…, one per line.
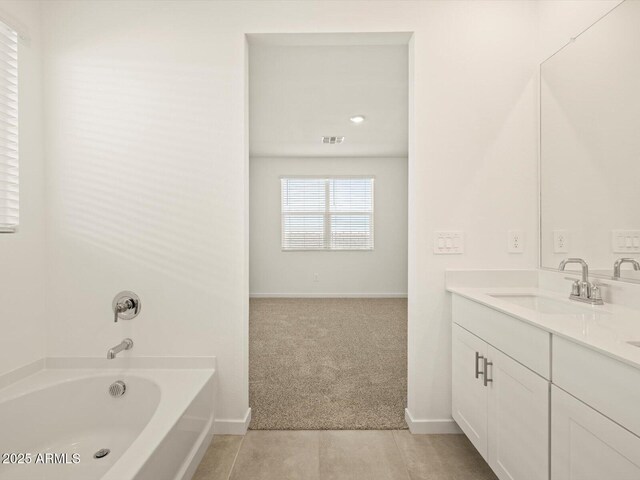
x=126, y=306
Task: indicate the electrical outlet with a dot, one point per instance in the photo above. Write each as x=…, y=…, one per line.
x=516, y=241
x=561, y=240
x=316, y=277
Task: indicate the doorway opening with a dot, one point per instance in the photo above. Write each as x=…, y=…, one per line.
x=328, y=140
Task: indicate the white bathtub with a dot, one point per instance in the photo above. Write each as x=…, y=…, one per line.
x=157, y=430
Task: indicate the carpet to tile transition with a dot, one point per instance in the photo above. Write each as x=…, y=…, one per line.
x=327, y=363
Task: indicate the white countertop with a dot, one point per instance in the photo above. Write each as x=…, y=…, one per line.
x=605, y=328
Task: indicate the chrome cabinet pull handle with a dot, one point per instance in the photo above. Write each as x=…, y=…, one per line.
x=487, y=363
x=478, y=372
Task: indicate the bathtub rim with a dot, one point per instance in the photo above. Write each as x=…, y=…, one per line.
x=10, y=378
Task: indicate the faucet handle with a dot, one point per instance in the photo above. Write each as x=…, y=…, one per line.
x=576, y=288
x=126, y=306
x=596, y=296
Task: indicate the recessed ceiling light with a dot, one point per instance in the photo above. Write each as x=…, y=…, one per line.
x=357, y=119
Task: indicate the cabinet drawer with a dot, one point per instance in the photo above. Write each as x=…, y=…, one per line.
x=525, y=343
x=607, y=385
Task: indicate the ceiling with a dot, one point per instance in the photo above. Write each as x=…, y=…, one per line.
x=302, y=91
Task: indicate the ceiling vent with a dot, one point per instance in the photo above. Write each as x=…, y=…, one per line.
x=332, y=140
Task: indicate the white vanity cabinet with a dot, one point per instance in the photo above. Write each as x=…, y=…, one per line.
x=593, y=396
x=470, y=398
x=502, y=406
x=586, y=445
x=518, y=420
x=541, y=406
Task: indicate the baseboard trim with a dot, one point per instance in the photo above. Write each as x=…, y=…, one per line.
x=328, y=295
x=425, y=427
x=231, y=426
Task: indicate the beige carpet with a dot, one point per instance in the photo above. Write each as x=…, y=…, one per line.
x=327, y=364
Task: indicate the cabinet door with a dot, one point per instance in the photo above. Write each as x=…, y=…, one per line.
x=518, y=420
x=586, y=445
x=469, y=396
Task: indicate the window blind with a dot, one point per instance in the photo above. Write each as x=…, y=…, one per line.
x=9, y=195
x=332, y=213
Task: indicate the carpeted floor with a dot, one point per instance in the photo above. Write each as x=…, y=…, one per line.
x=327, y=363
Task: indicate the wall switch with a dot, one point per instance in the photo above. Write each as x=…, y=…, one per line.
x=316, y=277
x=516, y=241
x=448, y=243
x=625, y=241
x=561, y=240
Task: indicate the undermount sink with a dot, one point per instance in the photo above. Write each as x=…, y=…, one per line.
x=543, y=304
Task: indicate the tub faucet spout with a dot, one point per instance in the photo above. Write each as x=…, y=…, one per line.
x=126, y=344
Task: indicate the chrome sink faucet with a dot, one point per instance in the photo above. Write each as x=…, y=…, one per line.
x=126, y=344
x=583, y=290
x=620, y=261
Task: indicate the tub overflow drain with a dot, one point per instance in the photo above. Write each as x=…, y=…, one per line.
x=103, y=452
x=117, y=389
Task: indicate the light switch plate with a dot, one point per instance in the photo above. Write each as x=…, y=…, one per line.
x=448, y=243
x=515, y=239
x=625, y=241
x=561, y=241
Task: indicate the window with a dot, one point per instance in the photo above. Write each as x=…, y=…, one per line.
x=332, y=213
x=8, y=129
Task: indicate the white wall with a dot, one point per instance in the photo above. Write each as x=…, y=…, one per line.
x=560, y=21
x=471, y=168
x=148, y=168
x=22, y=264
x=382, y=271
x=147, y=173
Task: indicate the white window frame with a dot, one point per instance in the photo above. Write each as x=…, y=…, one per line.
x=9, y=158
x=327, y=214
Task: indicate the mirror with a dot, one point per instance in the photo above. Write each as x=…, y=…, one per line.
x=590, y=147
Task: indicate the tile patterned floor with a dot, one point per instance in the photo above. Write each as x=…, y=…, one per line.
x=342, y=455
